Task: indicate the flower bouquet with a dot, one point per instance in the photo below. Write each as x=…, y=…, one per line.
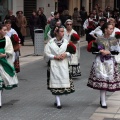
x=93, y=46
x=117, y=35
x=15, y=42
x=71, y=48
x=75, y=37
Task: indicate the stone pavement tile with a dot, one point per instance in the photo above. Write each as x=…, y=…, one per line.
x=83, y=43
x=26, y=50
x=101, y=116
x=117, y=116
x=110, y=109
x=110, y=119
x=83, y=118
x=115, y=96
x=112, y=103
x=118, y=111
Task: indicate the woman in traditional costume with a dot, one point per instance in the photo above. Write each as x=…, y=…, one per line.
x=113, y=22
x=16, y=44
x=8, y=78
x=59, y=81
x=98, y=32
x=104, y=74
x=75, y=58
x=69, y=29
x=88, y=26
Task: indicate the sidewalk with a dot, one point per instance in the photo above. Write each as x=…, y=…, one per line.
x=113, y=110
x=27, y=53
x=113, y=102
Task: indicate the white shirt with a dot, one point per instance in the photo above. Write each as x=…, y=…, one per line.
x=86, y=23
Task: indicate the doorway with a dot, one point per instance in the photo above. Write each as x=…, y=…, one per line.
x=63, y=5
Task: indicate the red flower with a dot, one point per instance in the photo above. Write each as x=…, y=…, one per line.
x=75, y=37
x=15, y=39
x=117, y=35
x=71, y=48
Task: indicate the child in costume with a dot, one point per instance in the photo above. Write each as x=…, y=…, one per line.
x=75, y=58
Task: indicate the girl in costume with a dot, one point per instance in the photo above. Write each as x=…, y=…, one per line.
x=104, y=74
x=8, y=78
x=74, y=61
x=16, y=45
x=59, y=81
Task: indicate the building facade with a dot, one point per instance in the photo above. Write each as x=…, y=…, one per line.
x=52, y=5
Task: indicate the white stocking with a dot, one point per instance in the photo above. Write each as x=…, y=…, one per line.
x=102, y=97
x=58, y=100
x=0, y=97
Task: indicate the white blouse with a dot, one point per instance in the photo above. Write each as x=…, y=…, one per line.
x=98, y=32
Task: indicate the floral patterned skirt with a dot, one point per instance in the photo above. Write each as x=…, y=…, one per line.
x=119, y=67
x=75, y=70
x=104, y=75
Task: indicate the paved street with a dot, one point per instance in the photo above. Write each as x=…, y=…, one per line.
x=32, y=101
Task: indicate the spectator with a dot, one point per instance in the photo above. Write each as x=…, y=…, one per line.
x=22, y=24
x=33, y=24
x=65, y=15
x=42, y=19
x=53, y=21
x=77, y=20
x=13, y=19
x=83, y=15
x=50, y=18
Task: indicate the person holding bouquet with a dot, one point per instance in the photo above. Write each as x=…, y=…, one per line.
x=8, y=77
x=57, y=52
x=117, y=57
x=68, y=29
x=74, y=61
x=15, y=42
x=104, y=74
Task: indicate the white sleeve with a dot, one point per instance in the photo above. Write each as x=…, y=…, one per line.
x=85, y=25
x=68, y=54
x=47, y=53
x=92, y=32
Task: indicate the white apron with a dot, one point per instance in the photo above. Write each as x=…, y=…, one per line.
x=59, y=72
x=8, y=80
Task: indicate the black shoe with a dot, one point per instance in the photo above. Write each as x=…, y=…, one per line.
x=59, y=107
x=103, y=106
